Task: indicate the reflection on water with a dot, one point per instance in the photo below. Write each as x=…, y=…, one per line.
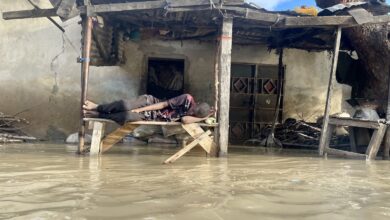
x=51, y=182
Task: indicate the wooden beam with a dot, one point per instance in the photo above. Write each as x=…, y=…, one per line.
x=97, y=135
x=35, y=13
x=224, y=68
x=353, y=122
x=346, y=154
x=375, y=142
x=332, y=78
x=120, y=7
x=386, y=150
x=343, y=21
x=87, y=41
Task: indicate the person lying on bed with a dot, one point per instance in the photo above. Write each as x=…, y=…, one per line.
x=149, y=108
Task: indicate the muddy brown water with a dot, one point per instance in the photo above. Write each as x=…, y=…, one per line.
x=50, y=182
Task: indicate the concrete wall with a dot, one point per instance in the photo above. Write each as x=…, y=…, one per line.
x=39, y=73
x=40, y=76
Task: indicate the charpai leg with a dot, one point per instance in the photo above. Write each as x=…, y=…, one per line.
x=116, y=136
x=97, y=134
x=187, y=148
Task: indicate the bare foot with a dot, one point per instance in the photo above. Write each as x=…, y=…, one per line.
x=91, y=114
x=88, y=105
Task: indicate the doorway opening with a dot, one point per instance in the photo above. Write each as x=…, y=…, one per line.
x=165, y=77
x=253, y=97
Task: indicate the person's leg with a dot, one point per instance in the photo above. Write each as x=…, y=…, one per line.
x=123, y=117
x=124, y=105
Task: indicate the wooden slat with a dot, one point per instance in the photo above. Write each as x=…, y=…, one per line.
x=36, y=13
x=120, y=7
x=332, y=78
x=375, y=142
x=328, y=135
x=187, y=148
x=97, y=134
x=343, y=21
x=116, y=136
x=346, y=154
x=224, y=72
x=386, y=150
x=354, y=122
x=163, y=123
x=352, y=139
x=194, y=130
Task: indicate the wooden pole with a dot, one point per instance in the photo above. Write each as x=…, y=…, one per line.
x=85, y=59
x=386, y=150
x=224, y=67
x=332, y=78
x=216, y=77
x=271, y=137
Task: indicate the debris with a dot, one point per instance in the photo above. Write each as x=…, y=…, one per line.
x=303, y=10
x=294, y=133
x=145, y=131
x=159, y=139
x=74, y=138
x=10, y=129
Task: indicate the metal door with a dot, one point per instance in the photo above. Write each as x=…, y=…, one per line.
x=253, y=97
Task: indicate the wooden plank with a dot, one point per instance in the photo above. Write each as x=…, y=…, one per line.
x=194, y=130
x=187, y=148
x=224, y=69
x=361, y=15
x=120, y=7
x=35, y=13
x=343, y=21
x=352, y=139
x=97, y=134
x=209, y=146
x=110, y=140
x=149, y=5
x=328, y=135
x=375, y=142
x=49, y=18
x=386, y=150
x=353, y=122
x=332, y=78
x=163, y=123
x=346, y=154
x=186, y=3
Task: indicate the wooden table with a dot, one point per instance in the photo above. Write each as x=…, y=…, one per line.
x=200, y=132
x=373, y=147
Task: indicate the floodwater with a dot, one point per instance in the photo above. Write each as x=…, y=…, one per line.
x=51, y=182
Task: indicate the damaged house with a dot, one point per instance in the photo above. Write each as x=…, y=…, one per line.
x=256, y=67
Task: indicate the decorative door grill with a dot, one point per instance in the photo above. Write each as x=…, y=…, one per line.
x=253, y=98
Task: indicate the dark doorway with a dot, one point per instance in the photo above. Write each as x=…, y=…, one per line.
x=253, y=98
x=165, y=77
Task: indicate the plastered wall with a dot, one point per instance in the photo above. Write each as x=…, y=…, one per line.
x=39, y=74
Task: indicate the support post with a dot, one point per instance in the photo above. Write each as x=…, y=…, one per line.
x=325, y=124
x=87, y=40
x=386, y=150
x=224, y=67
